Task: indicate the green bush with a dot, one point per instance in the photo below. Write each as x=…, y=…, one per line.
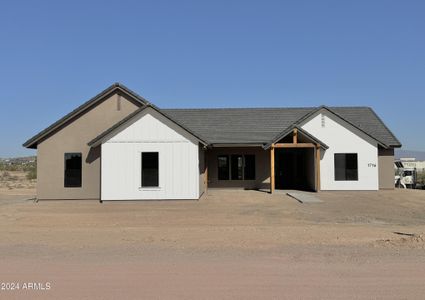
x=32, y=173
x=421, y=177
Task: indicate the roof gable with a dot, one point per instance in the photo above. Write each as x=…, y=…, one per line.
x=115, y=128
x=368, y=121
x=289, y=130
x=115, y=88
x=362, y=118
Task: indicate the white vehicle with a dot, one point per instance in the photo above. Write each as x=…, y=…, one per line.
x=405, y=177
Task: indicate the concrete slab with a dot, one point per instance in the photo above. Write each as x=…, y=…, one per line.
x=304, y=197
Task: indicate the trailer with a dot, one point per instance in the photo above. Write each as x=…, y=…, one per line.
x=405, y=177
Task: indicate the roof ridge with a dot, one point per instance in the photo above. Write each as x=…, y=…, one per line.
x=265, y=107
x=350, y=106
x=239, y=108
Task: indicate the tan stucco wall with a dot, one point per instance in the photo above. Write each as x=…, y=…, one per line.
x=386, y=168
x=262, y=168
x=74, y=138
x=202, y=182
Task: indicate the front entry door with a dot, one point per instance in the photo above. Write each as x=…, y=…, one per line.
x=294, y=169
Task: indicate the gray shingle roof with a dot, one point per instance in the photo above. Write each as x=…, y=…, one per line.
x=366, y=119
x=261, y=125
x=238, y=125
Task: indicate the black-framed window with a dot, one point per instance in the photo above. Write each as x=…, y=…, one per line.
x=236, y=170
x=236, y=167
x=150, y=169
x=346, y=167
x=223, y=167
x=249, y=167
x=73, y=170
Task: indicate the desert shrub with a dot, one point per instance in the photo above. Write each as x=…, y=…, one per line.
x=29, y=166
x=18, y=165
x=421, y=177
x=9, y=167
x=13, y=178
x=5, y=175
x=32, y=173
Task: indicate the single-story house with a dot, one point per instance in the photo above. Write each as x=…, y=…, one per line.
x=119, y=146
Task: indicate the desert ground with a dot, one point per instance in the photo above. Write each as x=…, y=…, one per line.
x=228, y=245
x=12, y=180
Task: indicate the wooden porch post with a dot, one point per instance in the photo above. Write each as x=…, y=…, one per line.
x=206, y=170
x=272, y=169
x=317, y=168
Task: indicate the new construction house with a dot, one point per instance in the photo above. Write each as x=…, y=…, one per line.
x=119, y=146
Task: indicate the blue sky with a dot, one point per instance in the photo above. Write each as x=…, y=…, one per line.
x=57, y=54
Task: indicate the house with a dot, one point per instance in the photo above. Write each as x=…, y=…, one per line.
x=119, y=146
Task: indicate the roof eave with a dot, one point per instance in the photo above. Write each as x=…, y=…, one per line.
x=243, y=144
x=116, y=87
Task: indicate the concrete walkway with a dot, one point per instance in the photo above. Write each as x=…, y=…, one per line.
x=304, y=197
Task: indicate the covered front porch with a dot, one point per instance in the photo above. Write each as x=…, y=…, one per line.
x=292, y=162
x=295, y=161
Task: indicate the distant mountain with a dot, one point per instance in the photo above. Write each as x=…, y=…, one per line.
x=418, y=155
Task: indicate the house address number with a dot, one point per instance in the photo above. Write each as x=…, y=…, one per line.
x=371, y=165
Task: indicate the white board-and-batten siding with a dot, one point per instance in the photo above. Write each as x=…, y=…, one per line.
x=341, y=137
x=177, y=155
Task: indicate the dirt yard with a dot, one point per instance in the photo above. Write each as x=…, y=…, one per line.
x=16, y=180
x=230, y=244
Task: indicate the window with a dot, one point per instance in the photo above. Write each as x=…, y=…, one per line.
x=150, y=174
x=249, y=167
x=236, y=163
x=73, y=166
x=236, y=167
x=346, y=167
x=223, y=167
x=408, y=173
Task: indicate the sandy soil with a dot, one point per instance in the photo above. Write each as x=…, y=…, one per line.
x=230, y=244
x=16, y=180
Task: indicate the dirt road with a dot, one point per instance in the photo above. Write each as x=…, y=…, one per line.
x=230, y=244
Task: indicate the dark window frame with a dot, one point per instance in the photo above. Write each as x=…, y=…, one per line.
x=229, y=169
x=226, y=170
x=252, y=160
x=75, y=179
x=236, y=167
x=149, y=176
x=349, y=171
